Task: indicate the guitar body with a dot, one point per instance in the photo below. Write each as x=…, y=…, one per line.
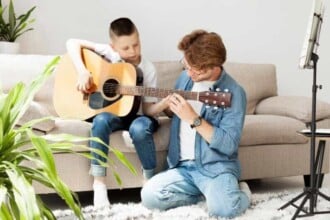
x=70, y=103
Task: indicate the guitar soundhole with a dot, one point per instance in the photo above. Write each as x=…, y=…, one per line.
x=110, y=88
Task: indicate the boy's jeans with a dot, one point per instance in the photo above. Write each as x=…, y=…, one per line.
x=141, y=129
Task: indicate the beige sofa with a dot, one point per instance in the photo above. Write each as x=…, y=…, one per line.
x=270, y=145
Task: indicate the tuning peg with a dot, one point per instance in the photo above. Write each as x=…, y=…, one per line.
x=226, y=90
x=215, y=107
x=222, y=103
x=218, y=89
x=207, y=106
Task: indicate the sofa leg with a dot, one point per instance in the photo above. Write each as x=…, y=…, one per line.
x=307, y=180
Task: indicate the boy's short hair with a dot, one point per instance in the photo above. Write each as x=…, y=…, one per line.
x=121, y=27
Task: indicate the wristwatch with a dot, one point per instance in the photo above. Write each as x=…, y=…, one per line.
x=197, y=122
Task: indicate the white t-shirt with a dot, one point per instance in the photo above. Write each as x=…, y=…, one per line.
x=147, y=67
x=187, y=134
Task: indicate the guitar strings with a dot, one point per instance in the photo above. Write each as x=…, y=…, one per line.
x=209, y=97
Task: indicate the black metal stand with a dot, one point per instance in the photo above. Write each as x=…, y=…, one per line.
x=312, y=192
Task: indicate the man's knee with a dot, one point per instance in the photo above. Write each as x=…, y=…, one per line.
x=149, y=199
x=229, y=208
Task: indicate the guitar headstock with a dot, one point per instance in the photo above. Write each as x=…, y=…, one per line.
x=217, y=99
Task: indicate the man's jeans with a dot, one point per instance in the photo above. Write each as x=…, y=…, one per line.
x=140, y=129
x=185, y=185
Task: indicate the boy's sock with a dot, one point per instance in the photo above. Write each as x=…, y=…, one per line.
x=246, y=189
x=100, y=195
x=147, y=174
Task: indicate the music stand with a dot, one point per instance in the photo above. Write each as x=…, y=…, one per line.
x=309, y=60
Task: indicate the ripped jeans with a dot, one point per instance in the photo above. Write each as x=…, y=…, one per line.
x=141, y=129
x=185, y=185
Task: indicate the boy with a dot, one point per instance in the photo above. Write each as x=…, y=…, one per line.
x=124, y=47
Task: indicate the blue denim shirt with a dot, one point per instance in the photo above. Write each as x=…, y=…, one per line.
x=221, y=154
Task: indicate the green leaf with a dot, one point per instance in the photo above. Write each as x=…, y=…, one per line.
x=14, y=26
x=124, y=160
x=24, y=193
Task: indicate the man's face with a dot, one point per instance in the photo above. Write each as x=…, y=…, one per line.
x=208, y=74
x=128, y=47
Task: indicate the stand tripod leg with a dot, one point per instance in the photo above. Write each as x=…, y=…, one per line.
x=292, y=200
x=300, y=208
x=324, y=196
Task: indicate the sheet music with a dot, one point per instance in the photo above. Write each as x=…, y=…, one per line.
x=312, y=36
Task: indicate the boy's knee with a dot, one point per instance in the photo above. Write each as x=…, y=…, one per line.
x=139, y=131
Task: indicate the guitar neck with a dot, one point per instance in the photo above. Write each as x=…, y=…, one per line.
x=155, y=92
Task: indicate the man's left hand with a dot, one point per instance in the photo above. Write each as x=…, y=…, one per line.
x=182, y=108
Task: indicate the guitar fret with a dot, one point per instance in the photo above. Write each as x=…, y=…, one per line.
x=154, y=92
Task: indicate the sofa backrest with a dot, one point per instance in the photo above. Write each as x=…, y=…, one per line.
x=24, y=68
x=258, y=80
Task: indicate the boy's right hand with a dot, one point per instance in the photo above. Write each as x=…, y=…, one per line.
x=85, y=82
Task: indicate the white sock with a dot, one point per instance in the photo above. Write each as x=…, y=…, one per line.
x=100, y=195
x=246, y=189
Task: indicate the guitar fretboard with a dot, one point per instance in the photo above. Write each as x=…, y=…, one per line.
x=151, y=92
x=221, y=99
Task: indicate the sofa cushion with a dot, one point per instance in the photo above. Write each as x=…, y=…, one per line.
x=37, y=111
x=74, y=127
x=258, y=81
x=271, y=129
x=293, y=106
x=122, y=140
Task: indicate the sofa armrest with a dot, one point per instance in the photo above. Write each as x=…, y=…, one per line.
x=36, y=111
x=298, y=107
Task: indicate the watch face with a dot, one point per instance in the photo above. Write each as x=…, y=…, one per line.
x=197, y=122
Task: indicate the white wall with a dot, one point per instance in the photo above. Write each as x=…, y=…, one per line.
x=254, y=31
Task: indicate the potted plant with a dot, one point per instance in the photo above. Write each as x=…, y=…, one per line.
x=26, y=157
x=12, y=27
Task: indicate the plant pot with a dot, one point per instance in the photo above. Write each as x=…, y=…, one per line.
x=9, y=47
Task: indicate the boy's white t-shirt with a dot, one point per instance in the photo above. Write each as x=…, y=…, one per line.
x=187, y=134
x=147, y=67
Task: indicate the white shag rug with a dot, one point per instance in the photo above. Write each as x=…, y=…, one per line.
x=264, y=206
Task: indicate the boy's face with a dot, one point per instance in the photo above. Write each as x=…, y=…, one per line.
x=128, y=47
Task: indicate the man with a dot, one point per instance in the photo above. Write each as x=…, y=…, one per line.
x=203, y=149
x=124, y=47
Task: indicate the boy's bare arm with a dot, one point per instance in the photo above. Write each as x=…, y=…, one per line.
x=74, y=46
x=153, y=109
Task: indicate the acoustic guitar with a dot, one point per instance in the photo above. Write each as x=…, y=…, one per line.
x=117, y=89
